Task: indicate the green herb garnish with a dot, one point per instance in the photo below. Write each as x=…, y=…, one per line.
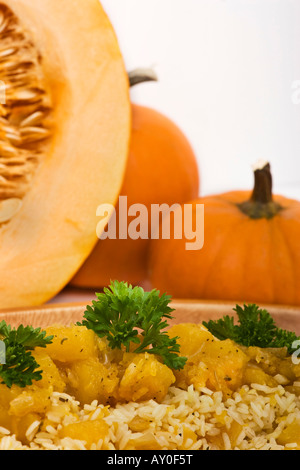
x=128, y=315
x=255, y=327
x=17, y=365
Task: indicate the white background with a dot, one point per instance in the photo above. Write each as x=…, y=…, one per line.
x=226, y=70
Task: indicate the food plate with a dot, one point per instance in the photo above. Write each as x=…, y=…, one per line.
x=192, y=311
x=172, y=415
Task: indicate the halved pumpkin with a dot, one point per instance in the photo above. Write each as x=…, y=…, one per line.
x=64, y=135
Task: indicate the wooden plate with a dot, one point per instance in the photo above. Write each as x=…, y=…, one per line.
x=286, y=317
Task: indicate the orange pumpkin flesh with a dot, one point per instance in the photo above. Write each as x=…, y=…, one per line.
x=81, y=165
x=161, y=168
x=245, y=258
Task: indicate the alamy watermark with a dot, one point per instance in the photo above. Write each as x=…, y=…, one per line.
x=163, y=222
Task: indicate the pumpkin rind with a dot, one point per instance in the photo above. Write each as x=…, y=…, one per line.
x=54, y=231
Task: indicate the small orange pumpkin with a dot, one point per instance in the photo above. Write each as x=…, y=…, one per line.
x=251, y=250
x=162, y=169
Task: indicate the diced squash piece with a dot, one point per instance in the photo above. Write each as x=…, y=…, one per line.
x=191, y=337
x=290, y=434
x=189, y=438
x=32, y=400
x=234, y=432
x=273, y=361
x=88, y=431
x=5, y=418
x=139, y=424
x=50, y=373
x=145, y=378
x=20, y=426
x=8, y=394
x=219, y=365
x=220, y=440
x=146, y=441
x=90, y=380
x=71, y=343
x=255, y=375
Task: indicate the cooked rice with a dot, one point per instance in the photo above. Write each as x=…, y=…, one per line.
x=263, y=412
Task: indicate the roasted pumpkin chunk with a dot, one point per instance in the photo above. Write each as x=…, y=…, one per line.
x=88, y=431
x=71, y=344
x=91, y=380
x=144, y=378
x=219, y=365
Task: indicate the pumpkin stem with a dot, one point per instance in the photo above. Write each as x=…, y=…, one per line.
x=263, y=184
x=141, y=76
x=261, y=203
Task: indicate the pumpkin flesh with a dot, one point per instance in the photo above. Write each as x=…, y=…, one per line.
x=81, y=163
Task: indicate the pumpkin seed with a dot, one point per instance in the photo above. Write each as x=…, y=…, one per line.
x=32, y=134
x=9, y=208
x=33, y=119
x=7, y=52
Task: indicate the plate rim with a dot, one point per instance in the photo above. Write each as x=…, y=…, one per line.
x=188, y=311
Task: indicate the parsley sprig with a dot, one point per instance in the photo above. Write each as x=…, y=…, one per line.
x=129, y=316
x=255, y=327
x=17, y=364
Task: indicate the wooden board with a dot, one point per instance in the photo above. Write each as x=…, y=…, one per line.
x=286, y=317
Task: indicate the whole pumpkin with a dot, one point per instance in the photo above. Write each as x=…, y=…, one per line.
x=161, y=169
x=251, y=249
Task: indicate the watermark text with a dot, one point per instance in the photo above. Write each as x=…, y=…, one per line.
x=161, y=222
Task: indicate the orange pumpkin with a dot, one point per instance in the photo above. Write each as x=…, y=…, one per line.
x=161, y=169
x=251, y=250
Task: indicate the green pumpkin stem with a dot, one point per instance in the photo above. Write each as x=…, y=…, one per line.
x=261, y=203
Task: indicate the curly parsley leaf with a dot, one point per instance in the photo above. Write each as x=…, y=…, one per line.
x=255, y=327
x=17, y=365
x=129, y=316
